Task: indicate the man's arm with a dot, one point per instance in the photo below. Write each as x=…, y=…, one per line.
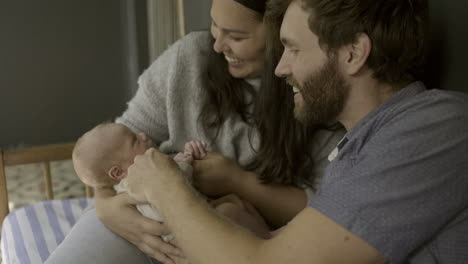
x=278, y=203
x=208, y=238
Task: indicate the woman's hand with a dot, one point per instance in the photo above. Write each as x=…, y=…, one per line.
x=216, y=175
x=230, y=198
x=119, y=214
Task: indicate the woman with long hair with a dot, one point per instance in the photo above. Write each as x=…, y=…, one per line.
x=216, y=87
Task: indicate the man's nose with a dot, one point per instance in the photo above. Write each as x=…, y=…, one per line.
x=283, y=68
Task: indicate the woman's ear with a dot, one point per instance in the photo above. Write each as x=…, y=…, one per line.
x=356, y=54
x=117, y=173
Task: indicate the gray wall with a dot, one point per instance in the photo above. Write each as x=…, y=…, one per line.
x=447, y=62
x=67, y=65
x=62, y=68
x=197, y=15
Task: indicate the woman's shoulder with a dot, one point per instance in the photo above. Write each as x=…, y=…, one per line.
x=188, y=52
x=198, y=38
x=195, y=43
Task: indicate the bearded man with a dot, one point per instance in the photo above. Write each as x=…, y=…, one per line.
x=396, y=188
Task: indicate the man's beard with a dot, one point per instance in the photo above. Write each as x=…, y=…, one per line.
x=324, y=93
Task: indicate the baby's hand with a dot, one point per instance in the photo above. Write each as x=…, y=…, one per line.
x=183, y=157
x=196, y=148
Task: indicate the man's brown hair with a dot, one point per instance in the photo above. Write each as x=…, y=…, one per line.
x=398, y=30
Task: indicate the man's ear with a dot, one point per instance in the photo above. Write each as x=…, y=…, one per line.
x=117, y=173
x=356, y=54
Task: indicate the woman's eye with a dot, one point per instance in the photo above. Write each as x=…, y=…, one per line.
x=294, y=51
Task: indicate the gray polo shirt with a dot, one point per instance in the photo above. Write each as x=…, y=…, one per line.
x=400, y=178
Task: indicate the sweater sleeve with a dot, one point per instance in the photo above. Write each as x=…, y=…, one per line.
x=147, y=111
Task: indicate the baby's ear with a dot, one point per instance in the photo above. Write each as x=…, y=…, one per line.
x=117, y=173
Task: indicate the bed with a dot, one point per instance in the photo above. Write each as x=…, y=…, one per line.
x=29, y=234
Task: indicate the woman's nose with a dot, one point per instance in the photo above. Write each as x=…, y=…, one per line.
x=219, y=45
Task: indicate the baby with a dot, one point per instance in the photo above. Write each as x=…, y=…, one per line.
x=102, y=156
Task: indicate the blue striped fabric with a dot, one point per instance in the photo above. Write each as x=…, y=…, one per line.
x=39, y=237
x=4, y=247
x=31, y=233
x=18, y=240
x=54, y=222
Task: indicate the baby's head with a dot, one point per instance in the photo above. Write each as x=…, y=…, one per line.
x=102, y=155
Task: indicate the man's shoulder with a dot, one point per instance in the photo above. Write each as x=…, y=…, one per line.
x=437, y=100
x=434, y=107
x=423, y=110
x=419, y=120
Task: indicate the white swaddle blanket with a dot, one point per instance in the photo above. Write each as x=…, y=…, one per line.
x=148, y=210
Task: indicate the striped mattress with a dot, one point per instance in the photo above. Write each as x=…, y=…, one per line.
x=31, y=233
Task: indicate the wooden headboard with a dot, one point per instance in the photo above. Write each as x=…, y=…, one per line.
x=43, y=155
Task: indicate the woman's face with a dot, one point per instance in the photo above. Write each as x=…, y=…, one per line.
x=239, y=34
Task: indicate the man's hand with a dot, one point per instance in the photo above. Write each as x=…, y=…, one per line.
x=151, y=172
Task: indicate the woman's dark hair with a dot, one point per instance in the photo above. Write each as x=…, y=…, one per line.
x=258, y=6
x=224, y=94
x=285, y=144
x=282, y=156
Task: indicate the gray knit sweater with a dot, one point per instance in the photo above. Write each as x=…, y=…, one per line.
x=168, y=103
